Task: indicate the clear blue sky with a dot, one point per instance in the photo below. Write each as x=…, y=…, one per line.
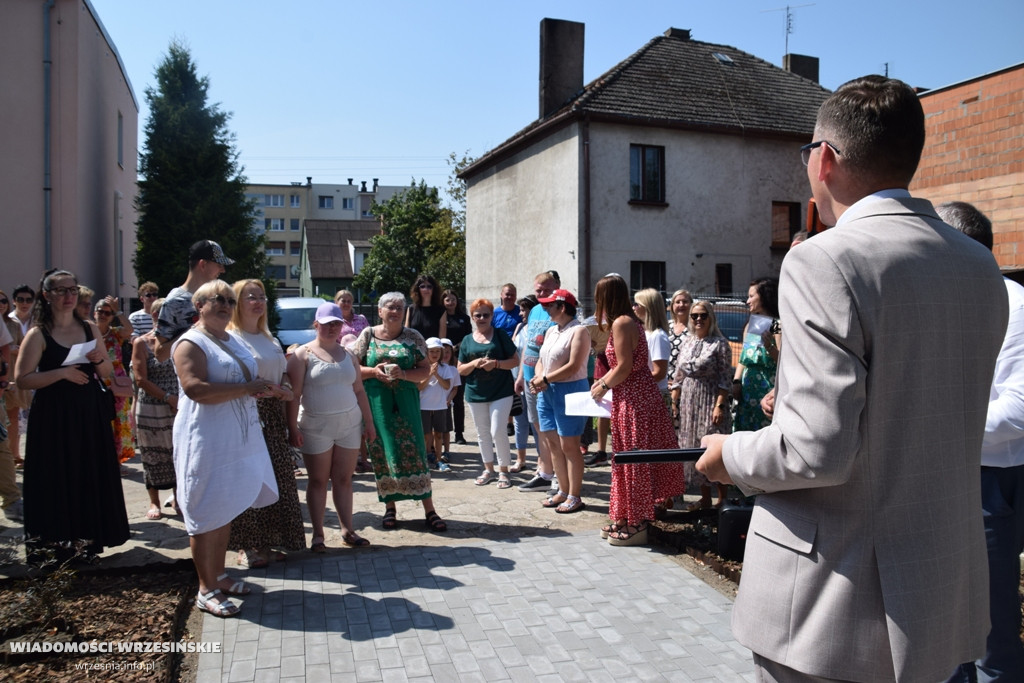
x=388, y=88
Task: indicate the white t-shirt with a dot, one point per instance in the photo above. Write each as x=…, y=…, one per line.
x=658, y=348
x=434, y=396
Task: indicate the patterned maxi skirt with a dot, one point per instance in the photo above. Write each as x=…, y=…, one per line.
x=278, y=525
x=154, y=424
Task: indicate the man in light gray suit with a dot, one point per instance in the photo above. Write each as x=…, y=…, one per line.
x=865, y=558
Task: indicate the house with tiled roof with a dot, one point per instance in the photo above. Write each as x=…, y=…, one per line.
x=678, y=167
x=332, y=253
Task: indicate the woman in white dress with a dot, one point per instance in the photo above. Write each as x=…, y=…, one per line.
x=220, y=458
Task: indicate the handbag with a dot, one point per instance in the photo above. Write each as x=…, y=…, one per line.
x=517, y=405
x=121, y=386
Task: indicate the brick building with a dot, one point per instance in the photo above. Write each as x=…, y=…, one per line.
x=974, y=152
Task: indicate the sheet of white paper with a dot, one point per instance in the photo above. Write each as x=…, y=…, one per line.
x=583, y=404
x=77, y=353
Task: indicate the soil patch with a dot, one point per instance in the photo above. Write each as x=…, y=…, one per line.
x=68, y=609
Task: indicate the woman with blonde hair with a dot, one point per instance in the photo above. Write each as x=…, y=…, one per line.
x=678, y=329
x=701, y=390
x=351, y=322
x=220, y=457
x=257, y=531
x=649, y=307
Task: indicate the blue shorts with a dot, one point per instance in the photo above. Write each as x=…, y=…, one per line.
x=551, y=408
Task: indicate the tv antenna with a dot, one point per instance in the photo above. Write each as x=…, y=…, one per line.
x=788, y=9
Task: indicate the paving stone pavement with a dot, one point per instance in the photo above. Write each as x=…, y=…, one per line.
x=552, y=607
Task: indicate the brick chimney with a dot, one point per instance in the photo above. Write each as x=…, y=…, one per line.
x=561, y=63
x=801, y=65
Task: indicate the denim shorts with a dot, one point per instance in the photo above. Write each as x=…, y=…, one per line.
x=551, y=408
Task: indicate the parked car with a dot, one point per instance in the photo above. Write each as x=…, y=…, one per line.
x=297, y=314
x=732, y=315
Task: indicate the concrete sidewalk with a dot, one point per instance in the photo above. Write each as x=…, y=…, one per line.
x=555, y=607
x=513, y=591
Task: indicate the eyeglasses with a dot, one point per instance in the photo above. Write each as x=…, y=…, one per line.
x=481, y=316
x=59, y=291
x=426, y=285
x=150, y=295
x=636, y=305
x=4, y=301
x=255, y=298
x=221, y=300
x=29, y=299
x=805, y=151
x=104, y=312
x=698, y=316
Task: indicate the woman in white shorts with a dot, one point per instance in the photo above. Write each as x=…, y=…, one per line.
x=335, y=416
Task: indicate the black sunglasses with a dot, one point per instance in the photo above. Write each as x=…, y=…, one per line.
x=222, y=300
x=698, y=316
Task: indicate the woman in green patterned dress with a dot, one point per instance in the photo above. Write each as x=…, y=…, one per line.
x=394, y=359
x=755, y=373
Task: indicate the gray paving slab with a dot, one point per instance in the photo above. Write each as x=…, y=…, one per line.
x=490, y=611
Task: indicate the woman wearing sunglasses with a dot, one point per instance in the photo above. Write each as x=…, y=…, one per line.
x=115, y=336
x=221, y=461
x=701, y=390
x=427, y=314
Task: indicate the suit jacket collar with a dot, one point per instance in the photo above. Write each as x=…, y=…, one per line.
x=888, y=206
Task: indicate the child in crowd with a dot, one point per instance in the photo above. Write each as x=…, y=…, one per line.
x=447, y=356
x=434, y=390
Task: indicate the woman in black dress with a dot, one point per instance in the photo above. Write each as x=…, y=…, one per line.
x=72, y=487
x=427, y=315
x=459, y=326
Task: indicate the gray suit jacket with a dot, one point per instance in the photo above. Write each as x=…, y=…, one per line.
x=865, y=558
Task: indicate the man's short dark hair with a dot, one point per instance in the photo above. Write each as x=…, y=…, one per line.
x=967, y=219
x=24, y=289
x=877, y=123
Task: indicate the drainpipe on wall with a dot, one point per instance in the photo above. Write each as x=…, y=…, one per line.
x=47, y=189
x=586, y=290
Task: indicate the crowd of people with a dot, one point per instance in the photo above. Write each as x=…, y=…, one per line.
x=883, y=457
x=196, y=385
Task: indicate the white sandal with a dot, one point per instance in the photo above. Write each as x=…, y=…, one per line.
x=223, y=609
x=237, y=588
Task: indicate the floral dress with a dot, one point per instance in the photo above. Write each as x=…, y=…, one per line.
x=757, y=379
x=703, y=369
x=640, y=422
x=398, y=454
x=124, y=441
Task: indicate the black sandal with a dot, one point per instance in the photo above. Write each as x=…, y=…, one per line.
x=435, y=523
x=390, y=520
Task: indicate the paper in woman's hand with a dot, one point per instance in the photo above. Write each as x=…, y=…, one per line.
x=582, y=403
x=78, y=352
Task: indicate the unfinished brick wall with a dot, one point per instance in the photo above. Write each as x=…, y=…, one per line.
x=974, y=152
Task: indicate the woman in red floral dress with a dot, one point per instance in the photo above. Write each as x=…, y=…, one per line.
x=639, y=421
